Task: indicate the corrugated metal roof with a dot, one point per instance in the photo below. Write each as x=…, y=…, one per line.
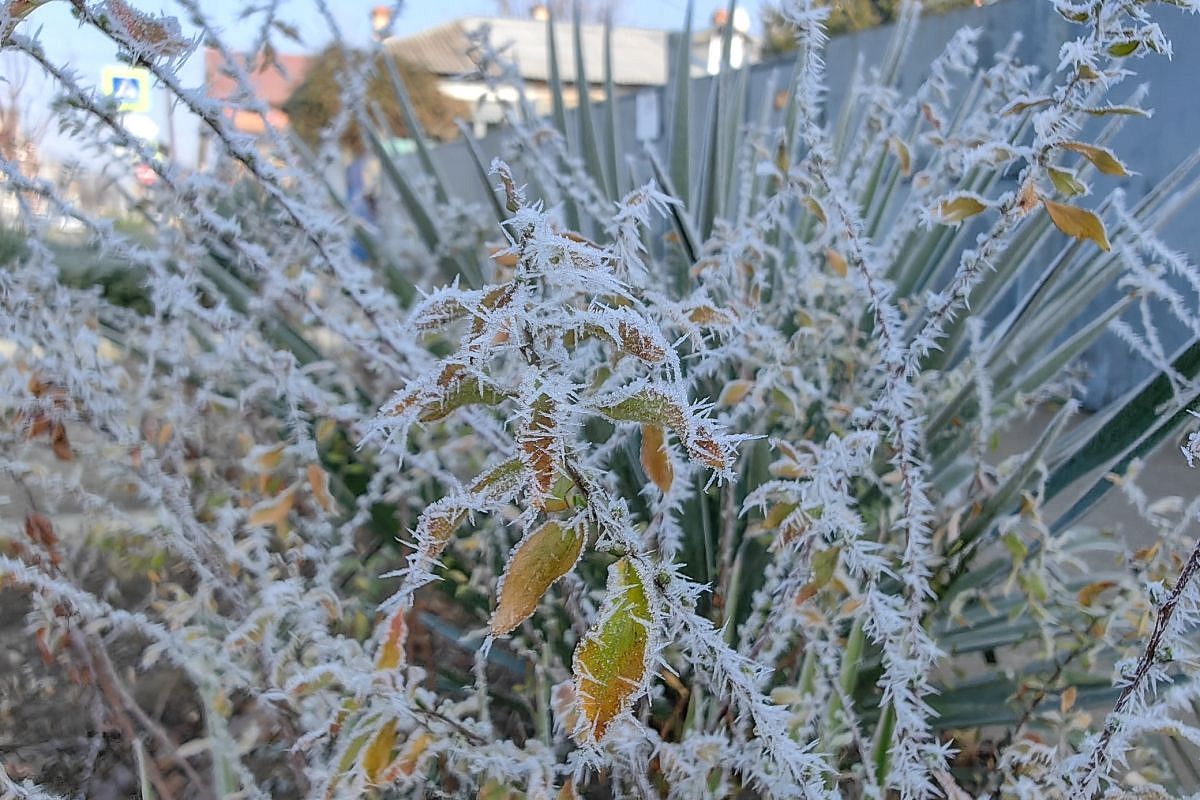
x=640, y=55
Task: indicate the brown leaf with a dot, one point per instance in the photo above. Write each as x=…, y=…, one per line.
x=59, y=443
x=1077, y=222
x=538, y=442
x=656, y=460
x=540, y=559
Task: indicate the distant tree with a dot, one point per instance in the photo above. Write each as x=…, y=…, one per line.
x=589, y=10
x=316, y=101
x=844, y=16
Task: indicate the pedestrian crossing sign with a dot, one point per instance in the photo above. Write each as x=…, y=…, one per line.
x=129, y=85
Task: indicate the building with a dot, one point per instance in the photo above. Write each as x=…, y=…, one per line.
x=272, y=84
x=642, y=58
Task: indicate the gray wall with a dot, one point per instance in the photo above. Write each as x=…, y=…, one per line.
x=1151, y=147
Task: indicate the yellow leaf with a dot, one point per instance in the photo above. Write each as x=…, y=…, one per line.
x=734, y=392
x=837, y=263
x=1101, y=157
x=656, y=461
x=391, y=652
x=378, y=753
x=265, y=459
x=1068, y=699
x=1077, y=222
x=610, y=661
x=814, y=208
x=958, y=208
x=318, y=481
x=539, y=560
x=897, y=146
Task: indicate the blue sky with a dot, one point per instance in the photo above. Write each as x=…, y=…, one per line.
x=88, y=52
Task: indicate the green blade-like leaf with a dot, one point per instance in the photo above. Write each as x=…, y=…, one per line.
x=1132, y=429
x=679, y=146
x=587, y=127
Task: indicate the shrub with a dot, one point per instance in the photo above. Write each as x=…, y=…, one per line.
x=694, y=473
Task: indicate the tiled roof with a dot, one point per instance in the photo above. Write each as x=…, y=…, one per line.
x=640, y=55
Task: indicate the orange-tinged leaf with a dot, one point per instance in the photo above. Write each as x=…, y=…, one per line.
x=505, y=256
x=1101, y=157
x=1077, y=222
x=164, y=433
x=540, y=559
x=1088, y=594
x=656, y=461
x=406, y=763
x=318, y=481
x=610, y=661
x=378, y=754
x=539, y=444
x=274, y=513
x=436, y=526
x=710, y=315
x=640, y=345
x=956, y=209
x=391, y=652
x=266, y=459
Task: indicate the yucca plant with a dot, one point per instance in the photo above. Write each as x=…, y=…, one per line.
x=671, y=474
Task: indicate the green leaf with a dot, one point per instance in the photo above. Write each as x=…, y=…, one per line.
x=587, y=128
x=611, y=661
x=679, y=147
x=1065, y=182
x=1122, y=49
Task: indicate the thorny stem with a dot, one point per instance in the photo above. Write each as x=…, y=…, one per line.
x=1099, y=758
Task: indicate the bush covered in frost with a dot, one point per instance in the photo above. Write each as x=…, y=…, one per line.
x=663, y=476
